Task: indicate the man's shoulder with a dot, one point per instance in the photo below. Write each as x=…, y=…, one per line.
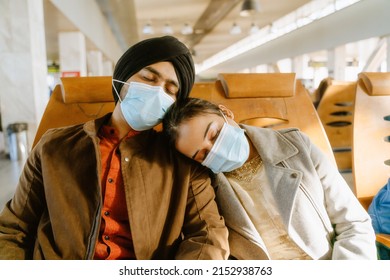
x=62, y=131
x=60, y=135
x=161, y=143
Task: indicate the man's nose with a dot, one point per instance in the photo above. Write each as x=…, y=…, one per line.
x=160, y=83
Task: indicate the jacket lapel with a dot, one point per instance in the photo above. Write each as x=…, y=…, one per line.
x=284, y=184
x=236, y=219
x=136, y=196
x=275, y=149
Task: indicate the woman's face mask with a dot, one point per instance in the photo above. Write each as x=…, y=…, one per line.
x=230, y=150
x=144, y=106
x=219, y=146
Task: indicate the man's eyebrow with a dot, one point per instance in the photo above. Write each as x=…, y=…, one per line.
x=158, y=74
x=204, y=136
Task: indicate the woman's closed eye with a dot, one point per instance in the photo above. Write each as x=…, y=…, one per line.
x=203, y=153
x=215, y=137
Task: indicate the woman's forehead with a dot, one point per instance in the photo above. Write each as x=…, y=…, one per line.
x=192, y=132
x=193, y=127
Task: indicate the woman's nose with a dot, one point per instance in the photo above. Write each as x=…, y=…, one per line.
x=208, y=145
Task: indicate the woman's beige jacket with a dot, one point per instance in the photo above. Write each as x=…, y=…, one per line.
x=318, y=208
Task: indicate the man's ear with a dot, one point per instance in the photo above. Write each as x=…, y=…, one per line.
x=228, y=113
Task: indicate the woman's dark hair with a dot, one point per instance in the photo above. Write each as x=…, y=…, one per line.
x=182, y=111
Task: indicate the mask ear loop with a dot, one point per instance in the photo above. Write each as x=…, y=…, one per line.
x=223, y=115
x=112, y=82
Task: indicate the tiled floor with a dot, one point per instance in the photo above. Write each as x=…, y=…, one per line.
x=9, y=176
x=10, y=172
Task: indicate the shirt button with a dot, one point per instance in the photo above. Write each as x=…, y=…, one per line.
x=294, y=175
x=106, y=213
x=110, y=180
x=106, y=237
x=127, y=159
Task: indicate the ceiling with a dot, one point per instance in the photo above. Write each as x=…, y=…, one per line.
x=210, y=19
x=118, y=24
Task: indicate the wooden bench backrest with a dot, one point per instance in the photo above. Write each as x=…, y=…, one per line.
x=267, y=100
x=320, y=90
x=371, y=135
x=336, y=114
x=275, y=100
x=76, y=100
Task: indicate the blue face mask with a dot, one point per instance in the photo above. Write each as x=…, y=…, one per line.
x=230, y=150
x=144, y=106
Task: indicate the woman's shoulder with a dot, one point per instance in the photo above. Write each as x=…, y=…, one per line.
x=294, y=133
x=291, y=133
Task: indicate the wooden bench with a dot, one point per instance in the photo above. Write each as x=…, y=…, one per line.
x=371, y=139
x=320, y=90
x=76, y=100
x=336, y=110
x=275, y=100
x=269, y=100
x=371, y=135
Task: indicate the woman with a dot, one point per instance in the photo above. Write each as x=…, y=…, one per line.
x=280, y=196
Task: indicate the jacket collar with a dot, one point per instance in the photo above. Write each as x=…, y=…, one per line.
x=136, y=142
x=272, y=146
x=92, y=127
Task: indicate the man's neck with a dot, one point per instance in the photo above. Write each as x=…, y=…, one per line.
x=119, y=123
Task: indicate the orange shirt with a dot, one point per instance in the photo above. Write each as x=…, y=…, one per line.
x=114, y=241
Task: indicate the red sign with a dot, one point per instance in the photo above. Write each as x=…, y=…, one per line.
x=70, y=74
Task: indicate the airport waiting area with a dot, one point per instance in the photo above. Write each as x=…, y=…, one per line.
x=349, y=122
x=93, y=102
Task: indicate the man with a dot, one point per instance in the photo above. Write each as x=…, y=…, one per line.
x=111, y=188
